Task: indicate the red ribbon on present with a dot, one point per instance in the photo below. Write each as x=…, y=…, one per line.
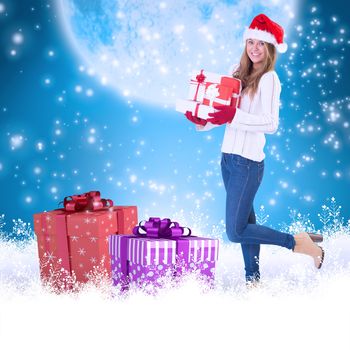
x=87, y=201
x=196, y=109
x=200, y=78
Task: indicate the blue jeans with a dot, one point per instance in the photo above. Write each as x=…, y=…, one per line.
x=242, y=178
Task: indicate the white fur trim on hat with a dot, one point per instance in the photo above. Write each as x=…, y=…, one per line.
x=264, y=36
x=282, y=48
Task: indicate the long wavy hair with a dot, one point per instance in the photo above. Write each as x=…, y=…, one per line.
x=250, y=78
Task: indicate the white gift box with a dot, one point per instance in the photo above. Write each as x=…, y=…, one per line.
x=197, y=90
x=195, y=107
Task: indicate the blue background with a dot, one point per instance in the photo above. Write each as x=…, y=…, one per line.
x=158, y=146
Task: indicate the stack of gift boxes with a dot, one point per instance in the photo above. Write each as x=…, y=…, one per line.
x=209, y=90
x=90, y=231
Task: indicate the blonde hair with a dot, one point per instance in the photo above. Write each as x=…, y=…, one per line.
x=250, y=78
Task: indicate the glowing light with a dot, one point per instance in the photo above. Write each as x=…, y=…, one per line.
x=308, y=198
x=284, y=184
x=89, y=92
x=91, y=139
x=272, y=201
x=39, y=146
x=18, y=38
x=16, y=141
x=104, y=80
x=37, y=170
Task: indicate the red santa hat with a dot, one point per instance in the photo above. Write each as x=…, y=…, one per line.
x=263, y=28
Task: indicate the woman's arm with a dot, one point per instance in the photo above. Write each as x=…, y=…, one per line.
x=267, y=121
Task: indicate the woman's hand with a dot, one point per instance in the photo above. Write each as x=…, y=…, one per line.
x=195, y=119
x=224, y=114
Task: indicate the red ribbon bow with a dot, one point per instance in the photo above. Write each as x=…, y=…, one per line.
x=87, y=201
x=200, y=77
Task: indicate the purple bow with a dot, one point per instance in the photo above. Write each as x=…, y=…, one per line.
x=157, y=228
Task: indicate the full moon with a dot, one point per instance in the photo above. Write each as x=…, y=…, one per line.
x=146, y=50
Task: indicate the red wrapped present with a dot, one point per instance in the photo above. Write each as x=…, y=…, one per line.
x=127, y=218
x=72, y=242
x=226, y=92
x=50, y=229
x=88, y=243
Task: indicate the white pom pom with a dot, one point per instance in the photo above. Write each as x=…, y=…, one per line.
x=282, y=48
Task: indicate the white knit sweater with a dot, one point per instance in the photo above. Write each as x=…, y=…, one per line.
x=254, y=118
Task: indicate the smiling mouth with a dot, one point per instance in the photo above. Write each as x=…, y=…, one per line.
x=255, y=54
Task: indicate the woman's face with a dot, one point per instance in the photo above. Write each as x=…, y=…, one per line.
x=256, y=50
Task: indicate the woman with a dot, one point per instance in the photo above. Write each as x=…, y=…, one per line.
x=242, y=162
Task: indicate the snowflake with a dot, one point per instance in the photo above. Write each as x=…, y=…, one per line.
x=81, y=251
x=261, y=217
x=2, y=223
x=330, y=218
x=57, y=279
x=21, y=231
x=50, y=256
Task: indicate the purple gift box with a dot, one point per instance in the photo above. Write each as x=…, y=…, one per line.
x=161, y=251
x=146, y=260
x=197, y=254
x=140, y=259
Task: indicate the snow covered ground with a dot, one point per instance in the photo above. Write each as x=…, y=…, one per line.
x=297, y=307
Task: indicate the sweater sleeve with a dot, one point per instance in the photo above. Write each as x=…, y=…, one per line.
x=266, y=121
